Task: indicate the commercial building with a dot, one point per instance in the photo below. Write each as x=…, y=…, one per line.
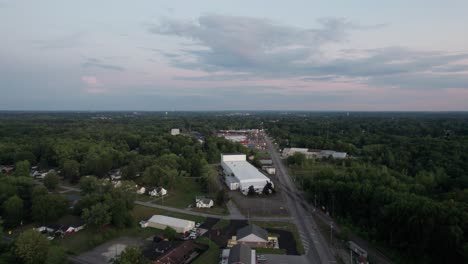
x=240, y=175
x=162, y=221
x=175, y=131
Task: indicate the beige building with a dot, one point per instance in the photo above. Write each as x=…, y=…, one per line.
x=162, y=221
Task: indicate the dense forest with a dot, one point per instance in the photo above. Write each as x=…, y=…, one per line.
x=405, y=183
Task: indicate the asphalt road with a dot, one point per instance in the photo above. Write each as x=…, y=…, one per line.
x=317, y=250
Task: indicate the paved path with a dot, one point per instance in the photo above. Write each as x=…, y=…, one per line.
x=233, y=210
x=317, y=250
x=226, y=217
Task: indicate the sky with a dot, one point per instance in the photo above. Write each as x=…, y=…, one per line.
x=154, y=55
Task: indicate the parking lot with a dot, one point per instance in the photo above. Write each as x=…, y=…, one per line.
x=271, y=205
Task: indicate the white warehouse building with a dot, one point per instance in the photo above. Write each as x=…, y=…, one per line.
x=162, y=221
x=240, y=175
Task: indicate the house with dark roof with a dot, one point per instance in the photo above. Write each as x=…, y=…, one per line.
x=177, y=255
x=242, y=254
x=253, y=236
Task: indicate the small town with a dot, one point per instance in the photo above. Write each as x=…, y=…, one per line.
x=233, y=132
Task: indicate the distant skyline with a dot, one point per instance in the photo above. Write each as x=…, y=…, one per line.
x=233, y=55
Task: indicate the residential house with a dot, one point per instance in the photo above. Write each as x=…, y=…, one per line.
x=252, y=235
x=177, y=255
x=160, y=191
x=202, y=202
x=242, y=254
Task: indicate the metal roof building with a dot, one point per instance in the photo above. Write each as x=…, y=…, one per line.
x=239, y=174
x=162, y=221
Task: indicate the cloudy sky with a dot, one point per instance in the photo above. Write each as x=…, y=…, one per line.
x=230, y=55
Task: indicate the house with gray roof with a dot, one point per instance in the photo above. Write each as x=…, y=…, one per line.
x=242, y=254
x=252, y=235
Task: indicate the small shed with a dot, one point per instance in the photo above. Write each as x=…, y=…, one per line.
x=269, y=169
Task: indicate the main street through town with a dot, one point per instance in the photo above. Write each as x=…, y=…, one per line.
x=317, y=250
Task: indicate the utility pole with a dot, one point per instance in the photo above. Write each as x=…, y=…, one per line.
x=331, y=232
x=351, y=255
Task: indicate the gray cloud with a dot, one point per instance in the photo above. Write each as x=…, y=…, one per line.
x=95, y=63
x=262, y=47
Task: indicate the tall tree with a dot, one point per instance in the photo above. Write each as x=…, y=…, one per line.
x=13, y=210
x=49, y=207
x=32, y=247
x=97, y=216
x=71, y=170
x=51, y=180
x=89, y=185
x=22, y=168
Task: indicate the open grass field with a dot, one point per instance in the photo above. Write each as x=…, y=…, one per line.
x=183, y=195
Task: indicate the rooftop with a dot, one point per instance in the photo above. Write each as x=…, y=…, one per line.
x=252, y=229
x=171, y=221
x=245, y=171
x=240, y=254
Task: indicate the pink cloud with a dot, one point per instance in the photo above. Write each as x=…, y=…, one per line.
x=93, y=85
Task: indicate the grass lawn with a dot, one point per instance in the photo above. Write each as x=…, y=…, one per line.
x=276, y=251
x=183, y=195
x=287, y=227
x=209, y=256
x=221, y=224
x=144, y=197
